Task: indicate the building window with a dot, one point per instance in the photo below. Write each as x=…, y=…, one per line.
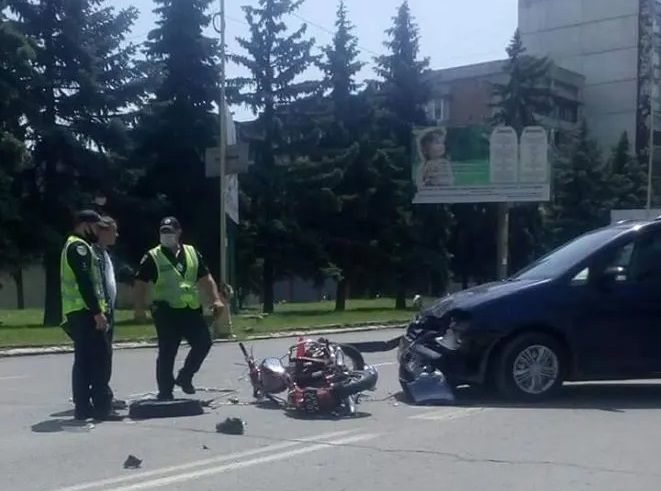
x=438, y=110
x=567, y=111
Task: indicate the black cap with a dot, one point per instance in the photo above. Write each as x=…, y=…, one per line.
x=87, y=216
x=106, y=221
x=170, y=223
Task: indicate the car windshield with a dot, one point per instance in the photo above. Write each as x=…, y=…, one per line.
x=559, y=261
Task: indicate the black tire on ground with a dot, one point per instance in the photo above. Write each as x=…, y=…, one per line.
x=354, y=355
x=359, y=382
x=151, y=408
x=504, y=364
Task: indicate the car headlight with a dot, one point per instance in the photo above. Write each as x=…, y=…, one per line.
x=452, y=338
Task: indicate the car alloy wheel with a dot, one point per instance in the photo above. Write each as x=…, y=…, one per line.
x=535, y=369
x=529, y=367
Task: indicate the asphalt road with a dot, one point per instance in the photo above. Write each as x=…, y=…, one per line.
x=604, y=437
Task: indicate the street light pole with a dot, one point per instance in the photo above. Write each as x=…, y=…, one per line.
x=223, y=149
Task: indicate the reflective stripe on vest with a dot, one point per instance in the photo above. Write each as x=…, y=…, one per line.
x=178, y=290
x=72, y=300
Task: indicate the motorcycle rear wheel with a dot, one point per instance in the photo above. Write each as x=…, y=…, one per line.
x=357, y=381
x=354, y=355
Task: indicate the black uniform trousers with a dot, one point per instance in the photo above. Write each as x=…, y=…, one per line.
x=173, y=325
x=91, y=366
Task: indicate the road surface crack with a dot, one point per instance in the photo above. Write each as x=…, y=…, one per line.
x=484, y=460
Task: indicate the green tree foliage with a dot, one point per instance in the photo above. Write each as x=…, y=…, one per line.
x=519, y=102
x=347, y=116
x=178, y=124
x=274, y=58
x=404, y=90
x=628, y=176
x=16, y=55
x=582, y=192
x=83, y=81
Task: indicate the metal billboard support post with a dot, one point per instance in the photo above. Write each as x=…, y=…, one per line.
x=502, y=249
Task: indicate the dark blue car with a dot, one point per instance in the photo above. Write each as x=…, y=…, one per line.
x=589, y=310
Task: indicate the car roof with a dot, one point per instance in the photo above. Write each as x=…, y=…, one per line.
x=633, y=224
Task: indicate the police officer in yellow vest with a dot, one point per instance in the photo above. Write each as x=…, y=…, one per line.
x=84, y=307
x=177, y=272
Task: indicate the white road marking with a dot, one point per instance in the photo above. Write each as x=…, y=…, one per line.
x=13, y=377
x=166, y=481
x=105, y=483
x=386, y=363
x=448, y=415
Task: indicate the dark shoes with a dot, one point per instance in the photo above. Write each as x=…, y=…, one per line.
x=107, y=416
x=91, y=413
x=82, y=414
x=186, y=384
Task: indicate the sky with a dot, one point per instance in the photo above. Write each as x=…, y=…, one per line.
x=453, y=33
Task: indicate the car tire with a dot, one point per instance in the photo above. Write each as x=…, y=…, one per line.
x=513, y=355
x=153, y=408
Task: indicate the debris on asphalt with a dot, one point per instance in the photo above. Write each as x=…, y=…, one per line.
x=231, y=426
x=204, y=447
x=234, y=400
x=132, y=462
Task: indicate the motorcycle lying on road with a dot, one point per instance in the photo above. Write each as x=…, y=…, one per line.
x=315, y=376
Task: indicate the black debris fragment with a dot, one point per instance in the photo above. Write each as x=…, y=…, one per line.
x=234, y=400
x=204, y=447
x=132, y=462
x=231, y=426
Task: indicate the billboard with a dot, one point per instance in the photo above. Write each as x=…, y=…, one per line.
x=474, y=164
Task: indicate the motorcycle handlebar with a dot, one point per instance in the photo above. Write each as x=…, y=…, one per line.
x=243, y=349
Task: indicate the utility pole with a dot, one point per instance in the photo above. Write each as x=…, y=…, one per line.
x=223, y=149
x=223, y=324
x=650, y=152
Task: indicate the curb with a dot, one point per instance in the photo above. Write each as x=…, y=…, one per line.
x=58, y=350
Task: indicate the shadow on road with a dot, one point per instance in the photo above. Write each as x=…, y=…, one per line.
x=62, y=414
x=326, y=416
x=612, y=397
x=57, y=425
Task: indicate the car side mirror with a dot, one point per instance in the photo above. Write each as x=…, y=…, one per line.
x=417, y=302
x=612, y=275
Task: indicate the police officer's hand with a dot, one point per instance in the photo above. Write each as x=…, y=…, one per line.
x=217, y=307
x=101, y=322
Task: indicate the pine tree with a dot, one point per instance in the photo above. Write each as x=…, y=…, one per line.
x=84, y=81
x=347, y=115
x=341, y=65
x=582, y=196
x=404, y=90
x=178, y=124
x=628, y=176
x=274, y=58
x=519, y=102
x=16, y=54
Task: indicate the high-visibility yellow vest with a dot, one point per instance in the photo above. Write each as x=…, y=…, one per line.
x=72, y=300
x=179, y=290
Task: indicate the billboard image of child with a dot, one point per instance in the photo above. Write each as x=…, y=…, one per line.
x=449, y=161
x=434, y=170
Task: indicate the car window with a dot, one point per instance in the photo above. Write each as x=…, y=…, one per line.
x=566, y=257
x=618, y=257
x=645, y=264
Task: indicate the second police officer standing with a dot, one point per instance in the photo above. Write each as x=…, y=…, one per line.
x=84, y=306
x=177, y=272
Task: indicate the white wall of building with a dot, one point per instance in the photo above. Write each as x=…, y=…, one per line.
x=599, y=39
